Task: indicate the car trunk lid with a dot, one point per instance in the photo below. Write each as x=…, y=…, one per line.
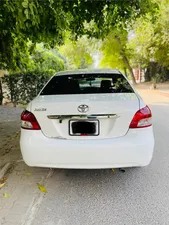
x=113, y=112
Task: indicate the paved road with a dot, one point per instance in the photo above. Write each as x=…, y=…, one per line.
x=95, y=197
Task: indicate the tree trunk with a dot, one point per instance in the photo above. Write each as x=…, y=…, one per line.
x=154, y=69
x=1, y=93
x=147, y=74
x=125, y=59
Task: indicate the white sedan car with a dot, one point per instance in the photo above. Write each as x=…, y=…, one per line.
x=87, y=119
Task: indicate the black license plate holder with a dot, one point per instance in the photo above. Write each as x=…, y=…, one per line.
x=84, y=127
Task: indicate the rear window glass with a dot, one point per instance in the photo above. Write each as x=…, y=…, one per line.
x=87, y=84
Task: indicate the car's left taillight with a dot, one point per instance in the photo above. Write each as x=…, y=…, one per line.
x=29, y=121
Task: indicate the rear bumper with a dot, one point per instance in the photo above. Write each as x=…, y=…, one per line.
x=133, y=149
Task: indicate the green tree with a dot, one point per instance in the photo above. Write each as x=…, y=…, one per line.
x=45, y=60
x=78, y=53
x=46, y=21
x=150, y=40
x=116, y=52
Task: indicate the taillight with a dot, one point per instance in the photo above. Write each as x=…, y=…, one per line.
x=142, y=118
x=29, y=121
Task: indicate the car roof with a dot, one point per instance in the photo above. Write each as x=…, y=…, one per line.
x=91, y=71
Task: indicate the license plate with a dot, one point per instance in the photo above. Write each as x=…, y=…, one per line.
x=83, y=127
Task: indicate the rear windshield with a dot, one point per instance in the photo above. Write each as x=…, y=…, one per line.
x=87, y=84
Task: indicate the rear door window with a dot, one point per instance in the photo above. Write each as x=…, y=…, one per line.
x=87, y=84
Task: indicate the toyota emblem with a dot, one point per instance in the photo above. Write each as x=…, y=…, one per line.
x=83, y=108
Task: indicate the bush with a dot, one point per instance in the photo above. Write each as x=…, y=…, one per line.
x=21, y=88
x=157, y=72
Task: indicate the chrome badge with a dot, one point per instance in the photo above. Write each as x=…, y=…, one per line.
x=83, y=108
x=40, y=109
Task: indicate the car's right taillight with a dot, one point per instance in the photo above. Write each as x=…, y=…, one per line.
x=142, y=118
x=29, y=121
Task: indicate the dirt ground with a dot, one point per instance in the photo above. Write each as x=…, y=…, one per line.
x=19, y=191
x=9, y=134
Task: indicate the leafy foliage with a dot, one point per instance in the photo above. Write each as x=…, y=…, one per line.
x=44, y=60
x=111, y=51
x=145, y=43
x=23, y=87
x=156, y=72
x=78, y=53
x=150, y=42
x=116, y=52
x=46, y=21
